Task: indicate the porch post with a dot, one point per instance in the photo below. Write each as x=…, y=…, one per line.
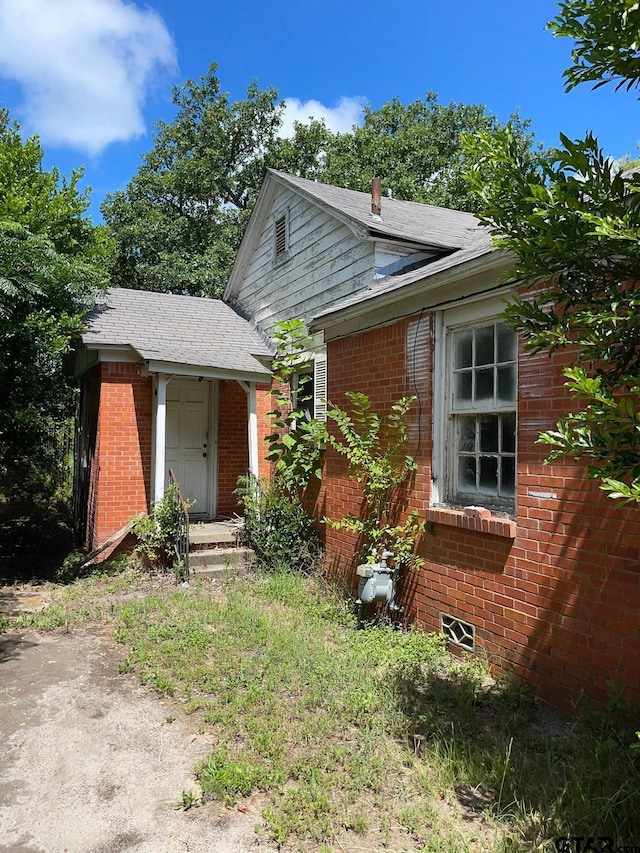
x=160, y=433
x=253, y=429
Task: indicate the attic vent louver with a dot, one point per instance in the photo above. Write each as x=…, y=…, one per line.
x=280, y=236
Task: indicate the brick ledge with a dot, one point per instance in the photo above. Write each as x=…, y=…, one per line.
x=473, y=518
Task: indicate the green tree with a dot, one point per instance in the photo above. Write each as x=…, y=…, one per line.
x=606, y=41
x=179, y=223
x=51, y=261
x=415, y=149
x=571, y=220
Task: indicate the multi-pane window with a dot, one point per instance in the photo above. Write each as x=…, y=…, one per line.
x=482, y=441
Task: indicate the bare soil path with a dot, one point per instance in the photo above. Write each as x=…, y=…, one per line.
x=90, y=760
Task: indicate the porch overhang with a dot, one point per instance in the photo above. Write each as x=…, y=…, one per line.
x=91, y=354
x=204, y=372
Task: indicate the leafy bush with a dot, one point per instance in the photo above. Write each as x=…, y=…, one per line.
x=156, y=533
x=297, y=440
x=277, y=526
x=375, y=448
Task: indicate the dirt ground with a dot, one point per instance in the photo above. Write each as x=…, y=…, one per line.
x=90, y=760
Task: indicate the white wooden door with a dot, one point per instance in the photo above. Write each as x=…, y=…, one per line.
x=187, y=440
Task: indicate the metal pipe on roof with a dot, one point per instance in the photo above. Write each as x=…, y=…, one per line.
x=376, y=197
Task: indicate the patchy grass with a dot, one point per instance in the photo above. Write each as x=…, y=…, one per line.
x=96, y=598
x=371, y=739
x=360, y=740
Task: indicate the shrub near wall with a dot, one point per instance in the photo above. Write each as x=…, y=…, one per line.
x=559, y=602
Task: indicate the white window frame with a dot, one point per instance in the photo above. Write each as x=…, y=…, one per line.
x=444, y=461
x=317, y=367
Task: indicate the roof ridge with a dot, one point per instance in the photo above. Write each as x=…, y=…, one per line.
x=309, y=183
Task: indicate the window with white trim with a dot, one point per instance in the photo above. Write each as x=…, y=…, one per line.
x=310, y=387
x=478, y=421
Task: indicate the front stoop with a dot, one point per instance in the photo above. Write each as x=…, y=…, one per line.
x=216, y=549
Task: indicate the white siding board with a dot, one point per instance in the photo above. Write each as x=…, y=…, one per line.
x=318, y=286
x=305, y=252
x=327, y=261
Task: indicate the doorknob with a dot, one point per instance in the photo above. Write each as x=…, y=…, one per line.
x=204, y=454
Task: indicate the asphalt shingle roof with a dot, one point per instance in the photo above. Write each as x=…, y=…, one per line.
x=400, y=220
x=178, y=329
x=478, y=244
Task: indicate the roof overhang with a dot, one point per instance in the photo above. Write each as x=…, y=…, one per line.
x=175, y=369
x=468, y=281
x=91, y=354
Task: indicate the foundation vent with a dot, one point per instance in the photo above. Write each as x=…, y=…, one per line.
x=461, y=633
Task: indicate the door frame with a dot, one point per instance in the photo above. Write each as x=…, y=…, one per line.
x=212, y=432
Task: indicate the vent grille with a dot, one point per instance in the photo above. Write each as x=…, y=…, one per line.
x=281, y=236
x=461, y=633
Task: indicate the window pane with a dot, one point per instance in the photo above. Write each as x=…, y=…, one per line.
x=484, y=345
x=466, y=474
x=464, y=349
x=462, y=388
x=304, y=395
x=489, y=434
x=507, y=384
x=509, y=432
x=489, y=474
x=507, y=343
x=508, y=476
x=484, y=385
x=467, y=434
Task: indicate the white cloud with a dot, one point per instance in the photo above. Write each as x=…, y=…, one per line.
x=85, y=67
x=340, y=119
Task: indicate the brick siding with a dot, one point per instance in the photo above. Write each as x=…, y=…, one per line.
x=557, y=604
x=120, y=480
x=233, y=444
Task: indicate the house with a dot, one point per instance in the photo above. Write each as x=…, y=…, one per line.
x=166, y=382
x=526, y=562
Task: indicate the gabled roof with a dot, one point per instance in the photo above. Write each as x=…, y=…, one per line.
x=473, y=269
x=187, y=330
x=422, y=226
x=408, y=221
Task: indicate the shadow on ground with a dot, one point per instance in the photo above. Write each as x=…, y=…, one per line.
x=12, y=646
x=33, y=543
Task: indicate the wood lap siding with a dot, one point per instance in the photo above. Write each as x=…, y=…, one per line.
x=326, y=261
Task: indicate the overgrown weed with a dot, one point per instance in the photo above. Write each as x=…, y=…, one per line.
x=376, y=738
x=377, y=733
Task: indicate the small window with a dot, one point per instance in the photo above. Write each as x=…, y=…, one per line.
x=303, y=390
x=310, y=388
x=281, y=237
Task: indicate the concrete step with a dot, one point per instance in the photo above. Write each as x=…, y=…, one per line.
x=217, y=562
x=215, y=534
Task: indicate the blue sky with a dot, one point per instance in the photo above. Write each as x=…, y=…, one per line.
x=92, y=76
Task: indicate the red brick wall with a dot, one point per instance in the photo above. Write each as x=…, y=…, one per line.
x=121, y=476
x=264, y=404
x=559, y=604
x=233, y=443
